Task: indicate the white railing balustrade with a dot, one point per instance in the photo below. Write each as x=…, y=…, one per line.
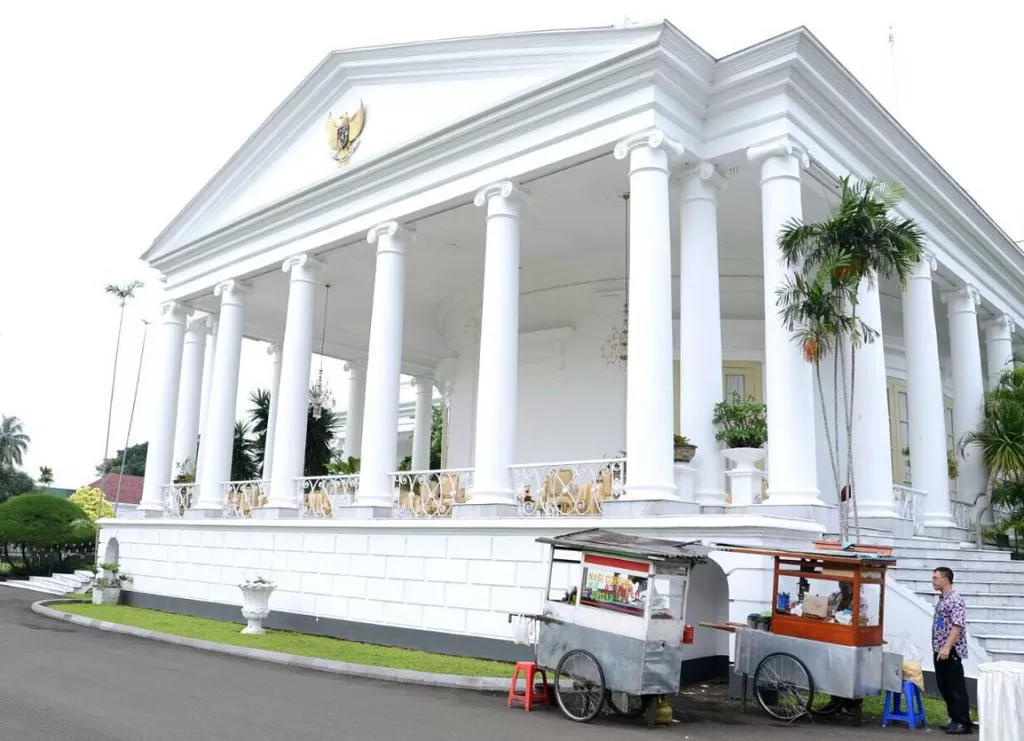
x=963, y=514
x=430, y=493
x=242, y=497
x=324, y=496
x=568, y=489
x=909, y=505
x=178, y=498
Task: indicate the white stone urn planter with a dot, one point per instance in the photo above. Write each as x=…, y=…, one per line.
x=744, y=478
x=256, y=603
x=106, y=595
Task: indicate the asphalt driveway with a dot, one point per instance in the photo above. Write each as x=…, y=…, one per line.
x=61, y=682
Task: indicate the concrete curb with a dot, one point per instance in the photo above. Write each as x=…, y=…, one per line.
x=386, y=674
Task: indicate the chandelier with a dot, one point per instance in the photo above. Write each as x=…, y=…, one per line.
x=615, y=349
x=320, y=397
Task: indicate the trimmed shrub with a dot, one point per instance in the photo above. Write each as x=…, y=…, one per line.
x=92, y=502
x=43, y=533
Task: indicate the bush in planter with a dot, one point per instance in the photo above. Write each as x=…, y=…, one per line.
x=743, y=423
x=42, y=533
x=106, y=588
x=683, y=449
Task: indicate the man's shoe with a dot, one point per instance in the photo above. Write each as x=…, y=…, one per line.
x=957, y=729
x=945, y=725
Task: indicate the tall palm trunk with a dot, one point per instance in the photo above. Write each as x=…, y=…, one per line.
x=113, y=384
x=833, y=447
x=131, y=418
x=849, y=430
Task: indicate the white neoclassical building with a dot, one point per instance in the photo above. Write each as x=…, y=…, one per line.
x=476, y=235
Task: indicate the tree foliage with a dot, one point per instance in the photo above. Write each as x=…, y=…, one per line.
x=43, y=533
x=93, y=503
x=860, y=241
x=45, y=476
x=320, y=433
x=13, y=442
x=436, y=441
x=14, y=482
x=134, y=461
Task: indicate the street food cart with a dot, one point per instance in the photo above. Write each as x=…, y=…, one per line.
x=820, y=646
x=617, y=632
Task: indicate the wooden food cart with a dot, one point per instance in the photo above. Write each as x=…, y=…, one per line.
x=617, y=633
x=823, y=644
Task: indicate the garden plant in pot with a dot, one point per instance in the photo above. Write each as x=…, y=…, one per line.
x=256, y=602
x=683, y=449
x=743, y=428
x=106, y=589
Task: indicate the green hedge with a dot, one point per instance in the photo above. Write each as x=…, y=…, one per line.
x=43, y=533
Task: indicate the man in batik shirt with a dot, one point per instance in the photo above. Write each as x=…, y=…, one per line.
x=949, y=642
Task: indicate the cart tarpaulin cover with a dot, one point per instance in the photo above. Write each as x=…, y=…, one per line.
x=912, y=654
x=1001, y=701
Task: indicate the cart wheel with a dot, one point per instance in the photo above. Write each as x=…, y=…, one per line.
x=783, y=686
x=579, y=686
x=628, y=706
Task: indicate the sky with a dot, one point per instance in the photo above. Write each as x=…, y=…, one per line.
x=116, y=113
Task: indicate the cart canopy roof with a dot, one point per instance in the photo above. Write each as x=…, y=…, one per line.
x=823, y=554
x=614, y=543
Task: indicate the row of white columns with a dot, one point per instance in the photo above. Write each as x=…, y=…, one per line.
x=789, y=389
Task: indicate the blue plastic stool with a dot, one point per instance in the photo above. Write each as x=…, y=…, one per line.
x=912, y=714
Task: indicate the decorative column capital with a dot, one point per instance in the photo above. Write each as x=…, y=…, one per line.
x=701, y=181
x=301, y=266
x=398, y=237
x=961, y=300
x=173, y=312
x=273, y=348
x=503, y=198
x=353, y=365
x=198, y=324
x=653, y=139
x=929, y=260
x=423, y=384
x=232, y=292
x=784, y=146
x=1000, y=328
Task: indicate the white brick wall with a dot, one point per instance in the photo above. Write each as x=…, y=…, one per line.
x=451, y=576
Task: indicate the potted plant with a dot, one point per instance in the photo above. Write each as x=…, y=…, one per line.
x=683, y=449
x=743, y=430
x=256, y=602
x=106, y=589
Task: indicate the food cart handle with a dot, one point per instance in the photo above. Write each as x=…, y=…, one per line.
x=533, y=616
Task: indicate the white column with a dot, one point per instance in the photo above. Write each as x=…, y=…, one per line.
x=924, y=391
x=218, y=435
x=186, y=437
x=422, y=424
x=872, y=451
x=649, y=418
x=383, y=371
x=789, y=379
x=274, y=351
x=700, y=327
x=204, y=408
x=354, y=413
x=968, y=385
x=998, y=348
x=498, y=375
x=161, y=438
x=293, y=392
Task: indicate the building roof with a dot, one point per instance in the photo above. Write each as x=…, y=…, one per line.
x=131, y=487
x=613, y=543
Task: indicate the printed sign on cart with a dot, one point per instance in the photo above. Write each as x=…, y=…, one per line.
x=615, y=584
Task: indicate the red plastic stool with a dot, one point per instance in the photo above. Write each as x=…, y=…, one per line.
x=531, y=692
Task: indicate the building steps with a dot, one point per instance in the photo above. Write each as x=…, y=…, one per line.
x=55, y=584
x=989, y=580
x=33, y=586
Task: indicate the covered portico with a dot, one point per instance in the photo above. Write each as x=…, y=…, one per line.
x=498, y=244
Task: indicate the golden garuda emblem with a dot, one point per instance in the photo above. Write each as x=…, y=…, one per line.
x=343, y=134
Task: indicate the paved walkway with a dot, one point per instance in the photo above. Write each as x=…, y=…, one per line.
x=60, y=682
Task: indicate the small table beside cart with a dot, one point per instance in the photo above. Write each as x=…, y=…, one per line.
x=617, y=633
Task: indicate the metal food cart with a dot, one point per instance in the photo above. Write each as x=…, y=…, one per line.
x=811, y=655
x=618, y=631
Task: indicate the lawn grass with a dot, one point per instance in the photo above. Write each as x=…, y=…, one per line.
x=300, y=644
x=78, y=595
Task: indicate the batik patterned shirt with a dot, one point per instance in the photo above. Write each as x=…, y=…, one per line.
x=950, y=611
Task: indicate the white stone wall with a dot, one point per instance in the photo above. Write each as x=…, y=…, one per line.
x=460, y=577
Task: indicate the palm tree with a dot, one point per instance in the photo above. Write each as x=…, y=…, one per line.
x=13, y=442
x=861, y=240
x=259, y=416
x=45, y=476
x=122, y=293
x=319, y=436
x=243, y=464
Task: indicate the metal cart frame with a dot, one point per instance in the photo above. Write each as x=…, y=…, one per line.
x=614, y=637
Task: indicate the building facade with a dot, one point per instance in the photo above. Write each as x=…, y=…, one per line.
x=468, y=210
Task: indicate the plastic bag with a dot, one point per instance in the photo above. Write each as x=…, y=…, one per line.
x=912, y=655
x=522, y=630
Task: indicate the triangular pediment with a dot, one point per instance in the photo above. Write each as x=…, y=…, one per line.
x=407, y=92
